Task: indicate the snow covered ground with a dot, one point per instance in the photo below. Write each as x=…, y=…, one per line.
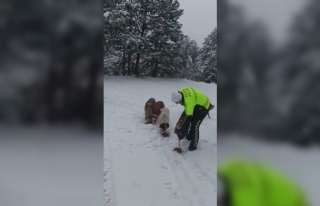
x=50, y=166
x=140, y=166
x=301, y=165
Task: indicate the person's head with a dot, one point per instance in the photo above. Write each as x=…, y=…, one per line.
x=176, y=97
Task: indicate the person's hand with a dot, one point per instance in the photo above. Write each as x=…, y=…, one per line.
x=180, y=135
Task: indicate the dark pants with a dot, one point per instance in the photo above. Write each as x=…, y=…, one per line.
x=198, y=115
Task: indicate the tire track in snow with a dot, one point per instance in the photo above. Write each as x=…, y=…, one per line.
x=188, y=163
x=114, y=144
x=109, y=189
x=179, y=171
x=178, y=167
x=154, y=143
x=109, y=185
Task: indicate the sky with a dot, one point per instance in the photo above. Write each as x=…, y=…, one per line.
x=199, y=18
x=276, y=14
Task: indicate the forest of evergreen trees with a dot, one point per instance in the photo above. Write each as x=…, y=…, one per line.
x=144, y=38
x=56, y=48
x=267, y=91
x=51, y=62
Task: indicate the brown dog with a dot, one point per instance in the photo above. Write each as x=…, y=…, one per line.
x=148, y=108
x=156, y=110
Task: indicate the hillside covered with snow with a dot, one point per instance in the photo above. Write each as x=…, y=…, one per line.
x=140, y=166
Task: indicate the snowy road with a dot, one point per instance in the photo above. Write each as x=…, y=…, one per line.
x=140, y=166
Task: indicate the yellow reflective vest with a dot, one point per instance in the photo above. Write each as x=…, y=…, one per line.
x=193, y=97
x=251, y=184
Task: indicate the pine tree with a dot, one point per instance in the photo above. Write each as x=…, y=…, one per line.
x=115, y=32
x=232, y=38
x=186, y=59
x=142, y=37
x=207, y=59
x=193, y=52
x=300, y=76
x=164, y=33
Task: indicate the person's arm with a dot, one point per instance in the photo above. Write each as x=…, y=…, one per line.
x=182, y=125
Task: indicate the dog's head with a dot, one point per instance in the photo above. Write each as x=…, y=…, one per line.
x=164, y=126
x=152, y=100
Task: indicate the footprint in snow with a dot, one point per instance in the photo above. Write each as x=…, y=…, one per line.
x=164, y=167
x=168, y=185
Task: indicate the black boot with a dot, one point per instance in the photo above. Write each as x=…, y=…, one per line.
x=189, y=138
x=192, y=146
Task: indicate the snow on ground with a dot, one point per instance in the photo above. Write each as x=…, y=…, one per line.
x=50, y=166
x=301, y=165
x=140, y=166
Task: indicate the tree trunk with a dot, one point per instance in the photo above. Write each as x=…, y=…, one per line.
x=136, y=69
x=124, y=62
x=129, y=64
x=68, y=87
x=157, y=62
x=50, y=92
x=155, y=69
x=91, y=102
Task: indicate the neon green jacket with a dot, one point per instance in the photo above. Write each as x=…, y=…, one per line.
x=251, y=184
x=193, y=97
